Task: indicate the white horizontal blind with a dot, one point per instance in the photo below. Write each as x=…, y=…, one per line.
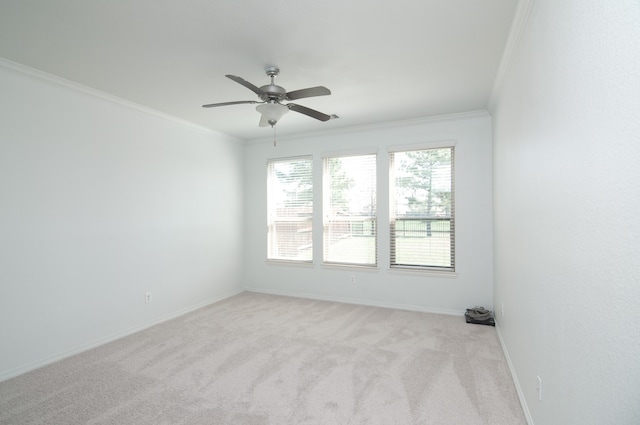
x=350, y=220
x=422, y=227
x=290, y=209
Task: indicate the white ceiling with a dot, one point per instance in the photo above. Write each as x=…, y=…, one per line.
x=383, y=61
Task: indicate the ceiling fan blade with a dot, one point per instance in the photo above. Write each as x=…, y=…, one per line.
x=310, y=92
x=211, y=105
x=308, y=111
x=247, y=84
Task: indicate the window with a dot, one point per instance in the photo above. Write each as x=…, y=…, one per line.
x=350, y=221
x=290, y=209
x=422, y=209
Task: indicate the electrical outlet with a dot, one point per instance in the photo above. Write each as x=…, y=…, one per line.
x=147, y=297
x=539, y=387
x=353, y=280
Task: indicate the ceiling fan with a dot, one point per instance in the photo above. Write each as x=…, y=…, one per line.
x=271, y=107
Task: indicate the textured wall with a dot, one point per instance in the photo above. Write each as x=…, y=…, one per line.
x=471, y=286
x=102, y=202
x=566, y=202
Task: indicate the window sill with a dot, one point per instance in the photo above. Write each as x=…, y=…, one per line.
x=307, y=264
x=354, y=267
x=422, y=272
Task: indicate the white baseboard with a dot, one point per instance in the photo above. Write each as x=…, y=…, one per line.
x=523, y=401
x=358, y=301
x=101, y=341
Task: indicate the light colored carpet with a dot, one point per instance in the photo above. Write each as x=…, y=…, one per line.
x=257, y=359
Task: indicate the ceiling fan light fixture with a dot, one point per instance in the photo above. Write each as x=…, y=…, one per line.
x=271, y=112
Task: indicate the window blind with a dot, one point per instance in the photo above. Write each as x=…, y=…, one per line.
x=422, y=220
x=350, y=220
x=290, y=209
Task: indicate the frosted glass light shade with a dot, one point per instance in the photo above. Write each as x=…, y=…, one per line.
x=271, y=113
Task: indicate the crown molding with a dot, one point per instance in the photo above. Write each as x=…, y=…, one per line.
x=377, y=126
x=520, y=20
x=59, y=81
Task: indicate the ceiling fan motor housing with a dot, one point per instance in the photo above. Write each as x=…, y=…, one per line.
x=273, y=92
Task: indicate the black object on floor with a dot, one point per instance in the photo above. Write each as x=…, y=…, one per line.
x=479, y=316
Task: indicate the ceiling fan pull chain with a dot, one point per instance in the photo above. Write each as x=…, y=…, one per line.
x=274, y=135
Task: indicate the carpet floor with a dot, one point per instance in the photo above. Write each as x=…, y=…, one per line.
x=257, y=359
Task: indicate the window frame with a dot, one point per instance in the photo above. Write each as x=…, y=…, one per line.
x=393, y=265
x=327, y=217
x=272, y=217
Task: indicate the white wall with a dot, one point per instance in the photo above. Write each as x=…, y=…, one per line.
x=101, y=202
x=567, y=203
x=472, y=286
